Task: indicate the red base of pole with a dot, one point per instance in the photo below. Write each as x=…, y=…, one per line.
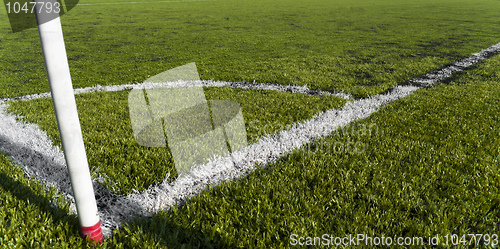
x=94, y=232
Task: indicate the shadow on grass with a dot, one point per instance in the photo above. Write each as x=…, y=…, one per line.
x=164, y=231
x=27, y=194
x=23, y=193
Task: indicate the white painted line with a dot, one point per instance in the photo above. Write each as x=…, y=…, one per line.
x=265, y=150
x=430, y=78
x=205, y=83
x=30, y=147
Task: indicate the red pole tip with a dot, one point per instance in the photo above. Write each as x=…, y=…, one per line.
x=94, y=232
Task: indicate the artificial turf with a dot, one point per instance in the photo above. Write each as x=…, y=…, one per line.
x=432, y=168
x=359, y=47
x=114, y=154
x=29, y=215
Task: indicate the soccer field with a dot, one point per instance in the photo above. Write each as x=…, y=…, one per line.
x=361, y=118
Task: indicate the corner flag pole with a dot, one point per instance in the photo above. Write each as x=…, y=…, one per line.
x=63, y=98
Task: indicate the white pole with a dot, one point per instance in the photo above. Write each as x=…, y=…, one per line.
x=56, y=63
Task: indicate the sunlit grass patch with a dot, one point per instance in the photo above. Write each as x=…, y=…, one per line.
x=431, y=168
x=114, y=154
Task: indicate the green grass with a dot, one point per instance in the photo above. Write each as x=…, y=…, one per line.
x=114, y=154
x=358, y=47
x=431, y=168
x=28, y=218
